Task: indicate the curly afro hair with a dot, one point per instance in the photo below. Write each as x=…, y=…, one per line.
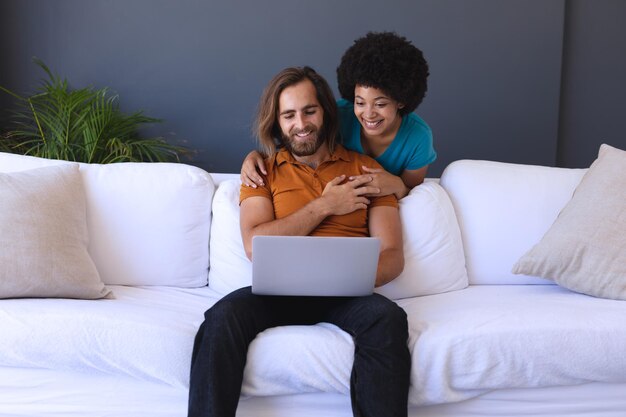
x=388, y=62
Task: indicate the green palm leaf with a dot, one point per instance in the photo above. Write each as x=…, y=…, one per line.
x=84, y=125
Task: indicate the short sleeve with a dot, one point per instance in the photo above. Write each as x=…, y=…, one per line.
x=260, y=191
x=424, y=153
x=421, y=138
x=387, y=200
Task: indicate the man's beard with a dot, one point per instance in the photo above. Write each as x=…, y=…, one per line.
x=300, y=148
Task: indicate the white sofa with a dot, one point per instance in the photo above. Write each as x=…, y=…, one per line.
x=484, y=342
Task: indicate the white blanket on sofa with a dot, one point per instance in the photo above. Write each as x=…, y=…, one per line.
x=146, y=333
x=489, y=337
x=463, y=343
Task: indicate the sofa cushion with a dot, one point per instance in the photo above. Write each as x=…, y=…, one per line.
x=434, y=260
x=462, y=343
x=148, y=223
x=146, y=333
x=456, y=341
x=585, y=249
x=503, y=209
x=230, y=268
x=487, y=337
x=43, y=236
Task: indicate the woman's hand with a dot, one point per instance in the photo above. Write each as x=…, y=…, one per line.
x=387, y=183
x=341, y=198
x=251, y=169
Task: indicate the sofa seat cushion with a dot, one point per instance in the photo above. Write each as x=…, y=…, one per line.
x=463, y=343
x=486, y=337
x=145, y=333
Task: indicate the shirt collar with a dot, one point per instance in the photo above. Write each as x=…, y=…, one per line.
x=285, y=156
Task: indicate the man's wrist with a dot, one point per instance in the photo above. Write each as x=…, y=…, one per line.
x=321, y=207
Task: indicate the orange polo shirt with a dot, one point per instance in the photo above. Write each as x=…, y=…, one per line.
x=291, y=185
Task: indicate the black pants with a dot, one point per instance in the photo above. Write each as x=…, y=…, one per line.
x=379, y=383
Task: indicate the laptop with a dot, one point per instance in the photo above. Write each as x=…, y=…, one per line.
x=314, y=266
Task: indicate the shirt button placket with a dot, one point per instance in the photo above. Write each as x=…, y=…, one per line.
x=317, y=182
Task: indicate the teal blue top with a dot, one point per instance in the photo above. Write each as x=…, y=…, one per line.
x=412, y=148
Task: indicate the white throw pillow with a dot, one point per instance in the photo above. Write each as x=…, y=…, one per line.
x=585, y=249
x=43, y=236
x=434, y=260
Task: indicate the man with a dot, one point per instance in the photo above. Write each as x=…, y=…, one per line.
x=308, y=191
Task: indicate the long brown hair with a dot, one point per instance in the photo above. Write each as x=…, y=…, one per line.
x=266, y=126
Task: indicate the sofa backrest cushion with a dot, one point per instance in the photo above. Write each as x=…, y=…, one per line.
x=433, y=250
x=585, y=249
x=434, y=261
x=230, y=268
x=148, y=223
x=503, y=209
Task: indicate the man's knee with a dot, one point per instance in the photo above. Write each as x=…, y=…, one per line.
x=384, y=319
x=394, y=319
x=386, y=309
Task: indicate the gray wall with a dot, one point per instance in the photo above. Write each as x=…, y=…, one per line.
x=528, y=81
x=593, y=105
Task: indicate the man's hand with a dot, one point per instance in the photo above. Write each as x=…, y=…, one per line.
x=251, y=169
x=350, y=196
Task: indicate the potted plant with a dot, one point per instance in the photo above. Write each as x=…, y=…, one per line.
x=83, y=125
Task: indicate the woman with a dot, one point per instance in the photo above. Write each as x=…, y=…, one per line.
x=382, y=80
